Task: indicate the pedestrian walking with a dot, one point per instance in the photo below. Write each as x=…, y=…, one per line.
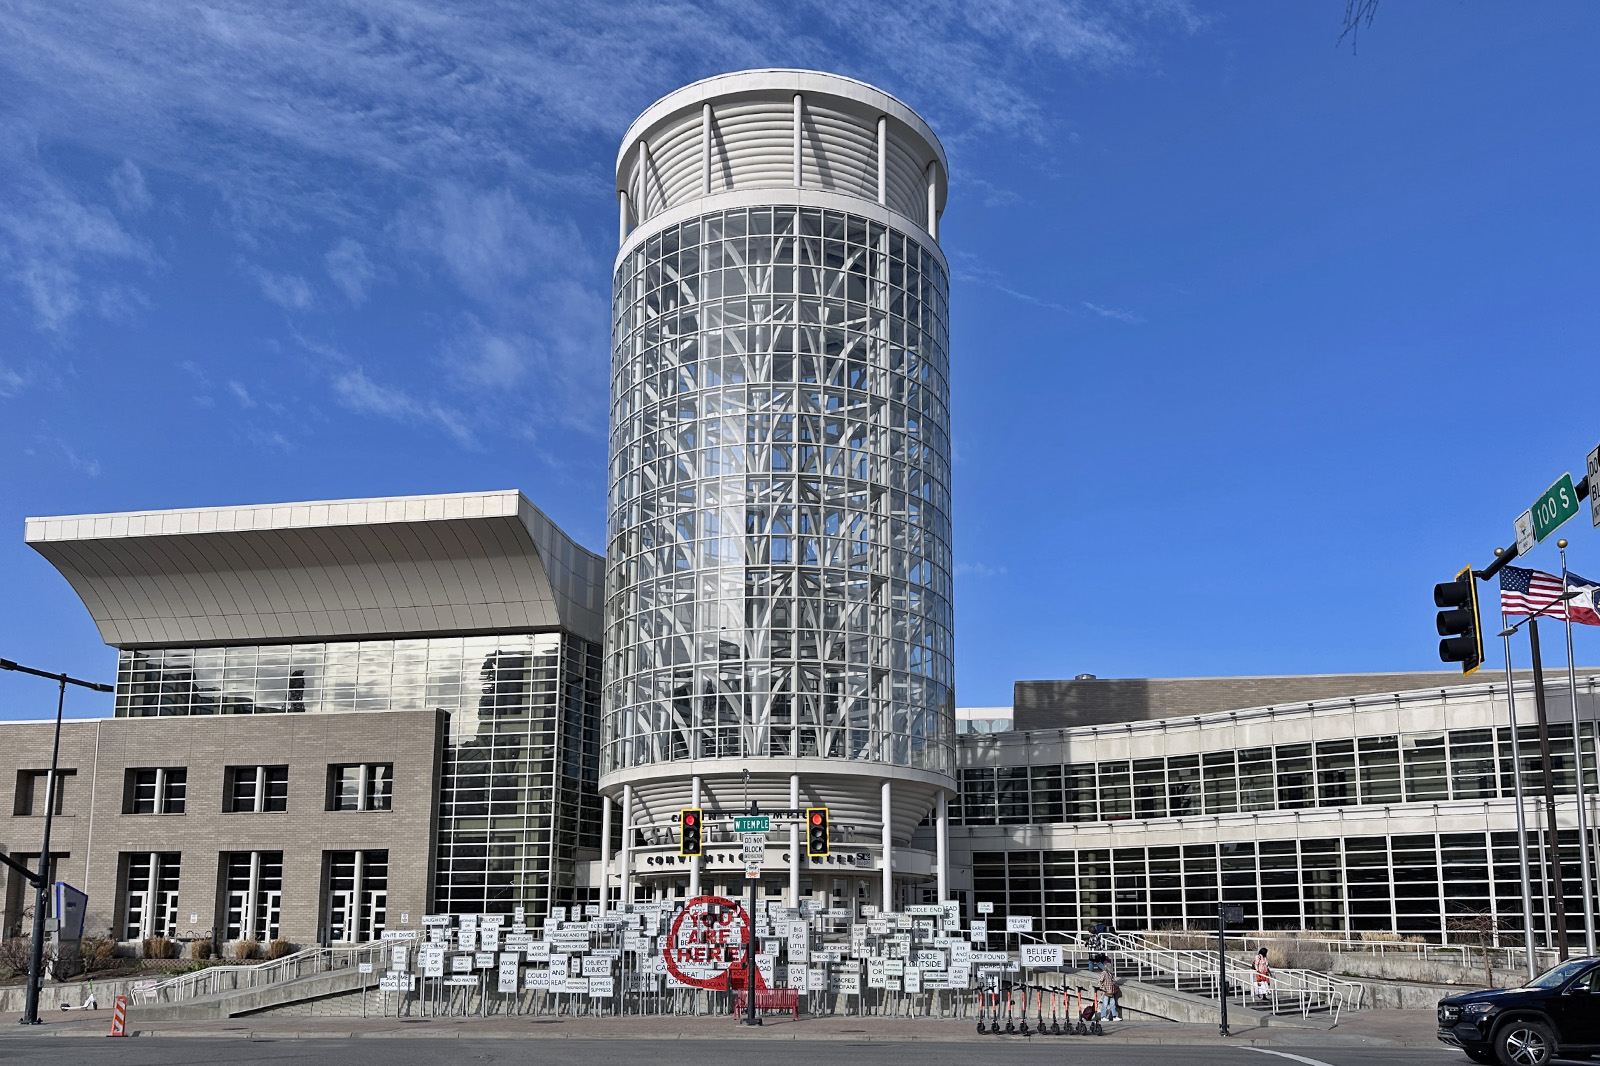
x=1110, y=991
x=1263, y=976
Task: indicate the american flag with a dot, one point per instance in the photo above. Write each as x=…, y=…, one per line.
x=1527, y=591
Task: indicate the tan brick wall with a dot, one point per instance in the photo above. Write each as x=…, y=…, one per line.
x=94, y=832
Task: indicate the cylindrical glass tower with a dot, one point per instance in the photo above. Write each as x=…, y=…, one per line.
x=778, y=585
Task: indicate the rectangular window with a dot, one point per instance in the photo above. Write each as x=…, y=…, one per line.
x=1012, y=784
x=1336, y=773
x=150, y=899
x=358, y=895
x=1150, y=788
x=32, y=788
x=155, y=790
x=256, y=789
x=1380, y=769
x=1257, y=791
x=1472, y=764
x=366, y=786
x=1116, y=792
x=1046, y=783
x=1221, y=783
x=1426, y=768
x=252, y=895
x=1078, y=792
x=1183, y=785
x=1295, y=788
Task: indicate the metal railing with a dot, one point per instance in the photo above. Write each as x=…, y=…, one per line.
x=1290, y=991
x=1467, y=956
x=216, y=980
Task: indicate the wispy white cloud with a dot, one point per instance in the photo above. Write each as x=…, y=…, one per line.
x=128, y=186
x=1112, y=312
x=289, y=291
x=460, y=140
x=980, y=570
x=347, y=264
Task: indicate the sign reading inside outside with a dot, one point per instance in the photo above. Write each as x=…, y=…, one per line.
x=706, y=946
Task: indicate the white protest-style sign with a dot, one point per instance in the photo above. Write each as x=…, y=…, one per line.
x=467, y=939
x=461, y=964
x=516, y=942
x=483, y=960
x=591, y=909
x=877, y=927
x=394, y=981
x=980, y=928
x=558, y=914
x=817, y=979
x=431, y=958
x=913, y=980
x=536, y=978
x=538, y=951
x=508, y=975
x=495, y=920
x=399, y=958
x=363, y=967
x=894, y=967
x=985, y=958
x=960, y=952
x=437, y=919
x=560, y=963
x=601, y=987
x=462, y=980
x=929, y=960
x=401, y=934
x=1019, y=923
x=1040, y=956
x=489, y=938
x=958, y=977
x=985, y=907
x=877, y=972
x=594, y=966
x=518, y=913
x=850, y=983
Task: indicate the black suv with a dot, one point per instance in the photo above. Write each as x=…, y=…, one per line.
x=1556, y=1014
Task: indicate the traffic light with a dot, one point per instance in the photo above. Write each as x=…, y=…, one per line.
x=1459, y=625
x=689, y=831
x=816, y=832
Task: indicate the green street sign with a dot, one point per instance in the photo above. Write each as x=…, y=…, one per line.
x=757, y=823
x=1559, y=503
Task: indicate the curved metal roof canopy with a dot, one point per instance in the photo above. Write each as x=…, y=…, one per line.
x=487, y=562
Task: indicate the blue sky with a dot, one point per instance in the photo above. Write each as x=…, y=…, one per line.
x=1254, y=339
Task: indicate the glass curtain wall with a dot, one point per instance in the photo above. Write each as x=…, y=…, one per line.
x=778, y=566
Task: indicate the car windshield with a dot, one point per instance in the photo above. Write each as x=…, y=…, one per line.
x=1560, y=975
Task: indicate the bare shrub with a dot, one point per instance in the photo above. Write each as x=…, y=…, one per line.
x=98, y=952
x=245, y=950
x=200, y=949
x=279, y=948
x=159, y=947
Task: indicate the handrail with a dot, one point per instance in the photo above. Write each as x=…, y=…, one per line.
x=215, y=980
x=1469, y=956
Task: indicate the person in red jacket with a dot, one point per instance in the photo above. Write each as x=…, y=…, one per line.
x=1263, y=975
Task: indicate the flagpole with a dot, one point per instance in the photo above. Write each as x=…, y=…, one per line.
x=1522, y=822
x=1577, y=756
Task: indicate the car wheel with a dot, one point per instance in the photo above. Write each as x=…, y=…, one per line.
x=1477, y=1055
x=1524, y=1042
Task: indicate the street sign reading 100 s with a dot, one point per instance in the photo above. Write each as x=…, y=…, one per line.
x=1558, y=503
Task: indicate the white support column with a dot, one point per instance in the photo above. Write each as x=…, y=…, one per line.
x=605, y=851
x=942, y=829
x=626, y=877
x=933, y=200
x=798, y=106
x=641, y=207
x=883, y=160
x=887, y=903
x=705, y=149
x=794, y=843
x=694, y=863
x=622, y=217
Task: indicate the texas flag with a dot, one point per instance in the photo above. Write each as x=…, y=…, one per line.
x=1585, y=606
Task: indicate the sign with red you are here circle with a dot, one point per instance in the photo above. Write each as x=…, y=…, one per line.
x=707, y=945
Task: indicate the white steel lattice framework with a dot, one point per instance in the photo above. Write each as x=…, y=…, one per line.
x=778, y=588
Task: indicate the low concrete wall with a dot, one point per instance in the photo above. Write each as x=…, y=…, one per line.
x=1399, y=967
x=53, y=994
x=248, y=1000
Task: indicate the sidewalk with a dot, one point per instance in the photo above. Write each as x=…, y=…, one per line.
x=1390, y=1028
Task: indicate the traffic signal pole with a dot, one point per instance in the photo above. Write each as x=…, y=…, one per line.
x=1552, y=844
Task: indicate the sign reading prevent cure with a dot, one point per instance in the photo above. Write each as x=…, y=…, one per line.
x=706, y=946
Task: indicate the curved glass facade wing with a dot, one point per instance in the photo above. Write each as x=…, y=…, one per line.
x=778, y=552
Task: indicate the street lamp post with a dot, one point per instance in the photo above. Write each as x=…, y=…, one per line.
x=30, y=1008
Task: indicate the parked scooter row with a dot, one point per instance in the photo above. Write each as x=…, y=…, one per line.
x=1061, y=1003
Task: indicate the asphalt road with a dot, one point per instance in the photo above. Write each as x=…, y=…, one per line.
x=193, y=1051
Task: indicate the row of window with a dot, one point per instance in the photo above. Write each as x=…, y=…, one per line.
x=251, y=897
x=1399, y=768
x=1409, y=884
x=165, y=789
